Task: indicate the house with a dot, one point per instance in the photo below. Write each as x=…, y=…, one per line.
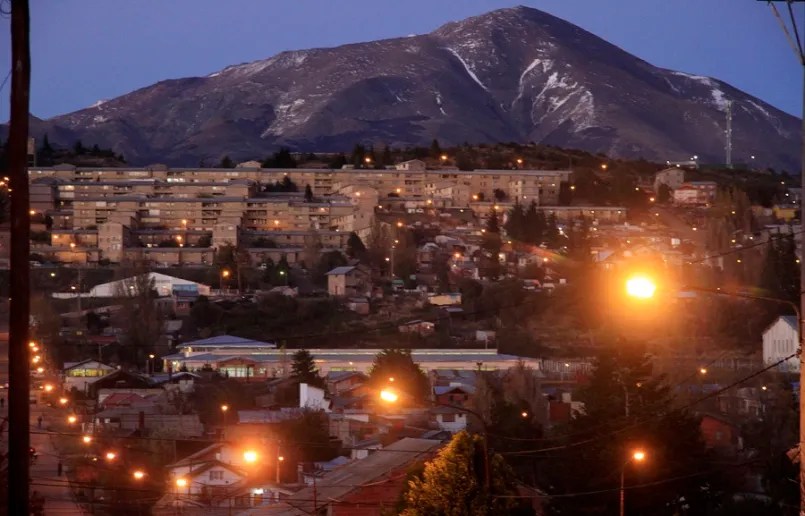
x=781, y=340
x=359, y=305
x=339, y=382
x=78, y=375
x=367, y=487
x=720, y=433
x=450, y=419
x=454, y=394
x=423, y=328
x=671, y=177
x=119, y=380
x=348, y=281
x=217, y=471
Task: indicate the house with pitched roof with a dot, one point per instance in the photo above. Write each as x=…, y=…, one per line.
x=349, y=281
x=781, y=340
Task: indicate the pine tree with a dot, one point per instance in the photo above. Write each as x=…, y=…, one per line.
x=303, y=369
x=308, y=194
x=515, y=223
x=355, y=247
x=534, y=225
x=491, y=245
x=226, y=162
x=435, y=149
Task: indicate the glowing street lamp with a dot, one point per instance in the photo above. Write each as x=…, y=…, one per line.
x=640, y=287
x=250, y=456
x=71, y=420
x=389, y=396
x=48, y=387
x=87, y=439
x=110, y=456
x=138, y=474
x=703, y=370
x=181, y=482
x=637, y=456
x=63, y=401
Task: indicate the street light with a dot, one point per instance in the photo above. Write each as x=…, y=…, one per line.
x=87, y=439
x=110, y=456
x=71, y=420
x=138, y=474
x=640, y=287
x=250, y=456
x=63, y=401
x=48, y=387
x=181, y=482
x=389, y=396
x=703, y=370
x=636, y=457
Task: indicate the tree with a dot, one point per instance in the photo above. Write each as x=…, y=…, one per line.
x=453, y=483
x=358, y=156
x=280, y=159
x=664, y=194
x=140, y=317
x=328, y=261
x=435, y=149
x=338, y=161
x=308, y=194
x=355, y=247
x=491, y=246
x=78, y=148
x=499, y=195
x=398, y=364
x=565, y=194
x=534, y=224
x=303, y=369
x=226, y=162
x=515, y=225
x=622, y=381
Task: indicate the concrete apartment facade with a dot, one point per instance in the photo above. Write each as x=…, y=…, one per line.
x=179, y=216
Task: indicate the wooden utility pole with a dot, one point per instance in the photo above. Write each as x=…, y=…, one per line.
x=18, y=350
x=796, y=42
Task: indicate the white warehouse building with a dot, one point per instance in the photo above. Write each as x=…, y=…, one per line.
x=165, y=286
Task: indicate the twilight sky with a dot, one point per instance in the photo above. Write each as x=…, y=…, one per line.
x=86, y=50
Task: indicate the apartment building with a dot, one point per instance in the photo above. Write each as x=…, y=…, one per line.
x=179, y=216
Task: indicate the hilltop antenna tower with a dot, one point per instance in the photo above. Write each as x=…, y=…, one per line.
x=728, y=135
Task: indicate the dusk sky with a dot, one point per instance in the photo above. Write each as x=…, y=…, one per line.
x=87, y=50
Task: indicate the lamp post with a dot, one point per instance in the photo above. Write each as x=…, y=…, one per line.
x=637, y=456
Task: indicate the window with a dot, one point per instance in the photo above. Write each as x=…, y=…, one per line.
x=448, y=418
x=217, y=474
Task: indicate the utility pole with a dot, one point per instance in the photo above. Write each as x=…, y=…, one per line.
x=19, y=311
x=797, y=45
x=728, y=135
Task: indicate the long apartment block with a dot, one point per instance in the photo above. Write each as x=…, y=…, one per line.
x=181, y=215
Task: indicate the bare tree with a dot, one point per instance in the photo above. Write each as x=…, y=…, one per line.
x=140, y=317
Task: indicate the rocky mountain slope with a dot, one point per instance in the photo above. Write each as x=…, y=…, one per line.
x=514, y=74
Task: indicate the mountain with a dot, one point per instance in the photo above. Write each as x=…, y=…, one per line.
x=514, y=74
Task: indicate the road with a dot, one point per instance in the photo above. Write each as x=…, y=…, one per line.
x=44, y=473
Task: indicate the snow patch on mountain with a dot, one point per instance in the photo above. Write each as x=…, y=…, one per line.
x=287, y=115
x=467, y=68
x=98, y=103
x=546, y=65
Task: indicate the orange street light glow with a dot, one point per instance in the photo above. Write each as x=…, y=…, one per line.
x=138, y=475
x=87, y=439
x=640, y=287
x=181, y=482
x=63, y=401
x=48, y=388
x=389, y=396
x=224, y=408
x=111, y=455
x=639, y=456
x=72, y=419
x=250, y=456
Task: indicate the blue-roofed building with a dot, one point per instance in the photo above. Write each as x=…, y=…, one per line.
x=271, y=363
x=229, y=343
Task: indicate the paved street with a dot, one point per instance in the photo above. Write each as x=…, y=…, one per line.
x=44, y=473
